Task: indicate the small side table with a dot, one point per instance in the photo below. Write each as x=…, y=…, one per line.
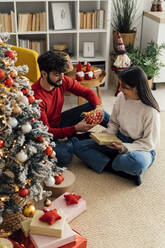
x=93, y=83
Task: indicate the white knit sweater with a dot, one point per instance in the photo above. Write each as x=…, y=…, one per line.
x=136, y=120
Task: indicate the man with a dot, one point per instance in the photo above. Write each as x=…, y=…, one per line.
x=50, y=88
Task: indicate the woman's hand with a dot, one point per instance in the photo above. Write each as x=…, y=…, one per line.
x=116, y=147
x=100, y=109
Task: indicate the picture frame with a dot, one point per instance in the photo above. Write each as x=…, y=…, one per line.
x=88, y=49
x=61, y=16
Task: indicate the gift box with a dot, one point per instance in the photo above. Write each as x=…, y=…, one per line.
x=25, y=226
x=43, y=228
x=69, y=236
x=80, y=242
x=71, y=211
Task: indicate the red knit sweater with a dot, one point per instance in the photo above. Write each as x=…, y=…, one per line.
x=52, y=103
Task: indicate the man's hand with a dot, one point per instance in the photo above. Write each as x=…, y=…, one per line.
x=99, y=108
x=82, y=126
x=116, y=147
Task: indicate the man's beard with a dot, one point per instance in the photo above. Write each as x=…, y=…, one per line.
x=58, y=83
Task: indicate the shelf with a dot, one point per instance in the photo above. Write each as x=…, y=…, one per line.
x=74, y=37
x=92, y=31
x=62, y=31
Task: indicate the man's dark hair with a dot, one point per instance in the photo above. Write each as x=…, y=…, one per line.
x=51, y=61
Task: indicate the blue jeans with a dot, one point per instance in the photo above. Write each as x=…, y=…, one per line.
x=64, y=149
x=97, y=157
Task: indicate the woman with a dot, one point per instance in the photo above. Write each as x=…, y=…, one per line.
x=135, y=120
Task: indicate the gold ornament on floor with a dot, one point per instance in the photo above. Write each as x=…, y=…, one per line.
x=29, y=210
x=47, y=203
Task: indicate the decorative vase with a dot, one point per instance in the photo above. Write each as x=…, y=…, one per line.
x=150, y=82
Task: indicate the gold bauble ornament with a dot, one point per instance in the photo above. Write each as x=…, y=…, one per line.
x=29, y=210
x=16, y=110
x=47, y=203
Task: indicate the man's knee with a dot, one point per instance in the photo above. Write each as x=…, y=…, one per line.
x=64, y=153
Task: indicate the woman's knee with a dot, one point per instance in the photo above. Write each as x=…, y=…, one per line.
x=133, y=162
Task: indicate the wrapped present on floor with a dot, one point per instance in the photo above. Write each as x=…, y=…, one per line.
x=25, y=226
x=69, y=236
x=80, y=242
x=48, y=228
x=71, y=211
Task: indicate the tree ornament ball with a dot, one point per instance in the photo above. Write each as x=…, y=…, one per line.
x=50, y=181
x=23, y=99
x=25, y=91
x=16, y=110
x=32, y=119
x=49, y=150
x=2, y=74
x=1, y=143
x=13, y=73
x=40, y=139
x=59, y=179
x=10, y=54
x=47, y=203
x=29, y=210
x=8, y=82
x=31, y=99
x=12, y=122
x=53, y=155
x=22, y=156
x=26, y=128
x=23, y=192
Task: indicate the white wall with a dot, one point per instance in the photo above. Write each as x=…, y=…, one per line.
x=142, y=5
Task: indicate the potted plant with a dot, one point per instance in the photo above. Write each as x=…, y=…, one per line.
x=123, y=20
x=148, y=59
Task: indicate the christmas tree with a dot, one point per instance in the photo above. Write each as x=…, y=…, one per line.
x=27, y=159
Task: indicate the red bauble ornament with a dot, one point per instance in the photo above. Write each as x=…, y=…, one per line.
x=8, y=82
x=32, y=119
x=59, y=179
x=10, y=54
x=23, y=192
x=49, y=150
x=1, y=143
x=40, y=139
x=31, y=99
x=2, y=74
x=25, y=91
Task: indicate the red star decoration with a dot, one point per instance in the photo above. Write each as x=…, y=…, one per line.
x=72, y=199
x=50, y=217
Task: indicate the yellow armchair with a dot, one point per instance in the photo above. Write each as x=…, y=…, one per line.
x=28, y=57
